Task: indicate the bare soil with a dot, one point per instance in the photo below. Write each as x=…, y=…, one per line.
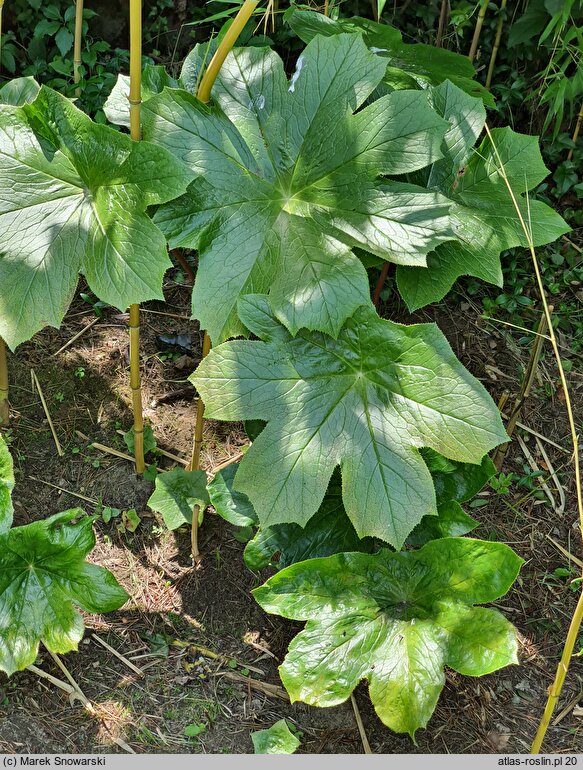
x=203, y=647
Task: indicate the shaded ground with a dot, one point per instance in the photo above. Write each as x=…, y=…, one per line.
x=175, y=610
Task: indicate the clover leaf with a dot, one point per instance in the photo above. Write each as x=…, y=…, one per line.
x=43, y=577
x=6, y=486
x=483, y=216
x=366, y=401
x=288, y=182
x=395, y=619
x=73, y=196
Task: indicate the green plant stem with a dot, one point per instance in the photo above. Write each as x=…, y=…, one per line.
x=478, y=30
x=77, y=44
x=497, y=39
x=563, y=667
x=4, y=405
x=576, y=131
x=135, y=133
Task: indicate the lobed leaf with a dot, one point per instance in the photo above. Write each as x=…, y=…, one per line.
x=288, y=183
x=483, y=217
x=73, y=196
x=175, y=495
x=395, y=619
x=408, y=65
x=366, y=401
x=43, y=577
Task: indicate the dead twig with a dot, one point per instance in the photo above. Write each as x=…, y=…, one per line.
x=75, y=337
x=265, y=687
x=46, y=411
x=118, y=655
x=360, y=725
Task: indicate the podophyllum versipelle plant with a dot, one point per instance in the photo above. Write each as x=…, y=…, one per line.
x=366, y=434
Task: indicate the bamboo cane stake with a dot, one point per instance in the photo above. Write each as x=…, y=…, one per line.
x=204, y=95
x=576, y=620
x=77, y=44
x=576, y=131
x=496, y=44
x=4, y=404
x=443, y=19
x=208, y=80
x=478, y=30
x=134, y=323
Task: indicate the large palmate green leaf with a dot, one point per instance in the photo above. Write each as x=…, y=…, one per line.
x=483, y=217
x=408, y=65
x=288, y=182
x=6, y=486
x=395, y=619
x=366, y=401
x=43, y=577
x=73, y=196
x=176, y=494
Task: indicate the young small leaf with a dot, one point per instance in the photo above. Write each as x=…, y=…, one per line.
x=277, y=739
x=175, y=495
x=43, y=576
x=149, y=440
x=395, y=619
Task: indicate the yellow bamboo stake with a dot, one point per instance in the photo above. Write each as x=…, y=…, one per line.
x=4, y=405
x=561, y=673
x=135, y=133
x=496, y=44
x=576, y=131
x=204, y=95
x=226, y=44
x=478, y=30
x=77, y=44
